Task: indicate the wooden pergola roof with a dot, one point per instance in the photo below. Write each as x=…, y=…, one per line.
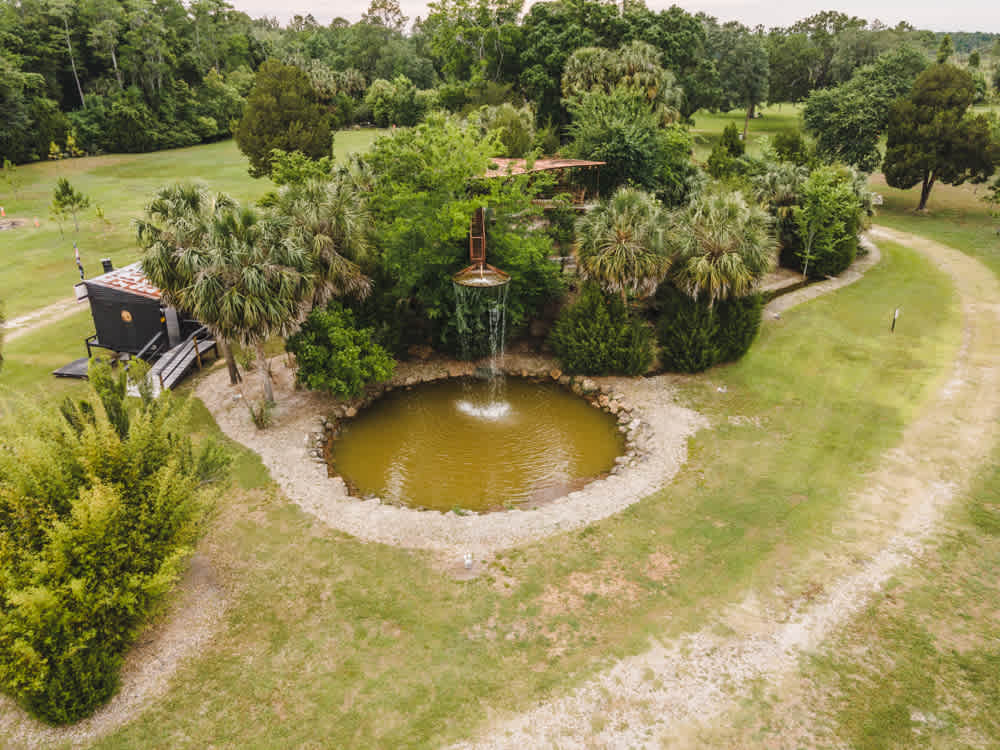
x=506, y=167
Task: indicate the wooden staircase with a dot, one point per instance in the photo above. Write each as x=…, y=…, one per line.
x=170, y=368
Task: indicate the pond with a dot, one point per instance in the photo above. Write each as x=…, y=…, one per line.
x=476, y=445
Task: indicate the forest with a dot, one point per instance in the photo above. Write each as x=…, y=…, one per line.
x=93, y=76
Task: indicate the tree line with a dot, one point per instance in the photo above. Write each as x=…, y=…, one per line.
x=139, y=75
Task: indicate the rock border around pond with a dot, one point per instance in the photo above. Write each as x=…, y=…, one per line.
x=629, y=423
x=659, y=432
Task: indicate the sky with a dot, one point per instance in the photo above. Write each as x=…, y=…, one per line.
x=937, y=15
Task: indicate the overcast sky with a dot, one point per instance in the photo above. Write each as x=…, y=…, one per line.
x=938, y=15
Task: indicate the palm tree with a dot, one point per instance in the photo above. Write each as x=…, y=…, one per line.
x=252, y=285
x=328, y=221
x=620, y=244
x=227, y=266
x=721, y=247
x=176, y=235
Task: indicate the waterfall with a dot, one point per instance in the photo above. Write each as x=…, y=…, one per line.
x=481, y=318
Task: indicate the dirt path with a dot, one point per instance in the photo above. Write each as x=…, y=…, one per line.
x=775, y=307
x=660, y=697
x=17, y=327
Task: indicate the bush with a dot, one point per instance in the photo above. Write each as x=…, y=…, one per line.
x=831, y=214
x=334, y=355
x=738, y=322
x=96, y=519
x=694, y=336
x=595, y=335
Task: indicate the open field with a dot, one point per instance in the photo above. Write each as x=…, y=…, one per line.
x=37, y=266
x=776, y=118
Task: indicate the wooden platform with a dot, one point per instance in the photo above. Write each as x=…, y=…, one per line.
x=75, y=369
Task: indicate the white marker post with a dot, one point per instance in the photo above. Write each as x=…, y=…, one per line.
x=895, y=317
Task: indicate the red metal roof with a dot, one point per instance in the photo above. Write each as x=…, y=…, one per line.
x=504, y=167
x=130, y=279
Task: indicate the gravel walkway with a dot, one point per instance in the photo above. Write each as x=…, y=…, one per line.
x=654, y=698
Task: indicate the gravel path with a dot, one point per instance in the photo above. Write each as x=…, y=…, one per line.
x=652, y=699
x=17, y=327
x=284, y=449
x=857, y=269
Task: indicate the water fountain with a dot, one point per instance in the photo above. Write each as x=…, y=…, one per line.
x=481, y=293
x=426, y=446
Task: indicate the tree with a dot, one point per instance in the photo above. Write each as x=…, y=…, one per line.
x=11, y=177
x=394, y=102
x=328, y=221
x=848, y=120
x=282, y=112
x=67, y=200
x=974, y=60
x=780, y=190
x=721, y=246
x=620, y=245
x=827, y=222
x=622, y=129
x=945, y=50
x=426, y=184
x=932, y=137
x=634, y=66
x=742, y=61
x=596, y=335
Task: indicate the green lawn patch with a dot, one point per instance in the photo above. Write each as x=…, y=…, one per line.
x=37, y=263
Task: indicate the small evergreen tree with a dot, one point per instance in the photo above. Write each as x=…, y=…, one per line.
x=282, y=112
x=67, y=201
x=945, y=50
x=595, y=335
x=974, y=60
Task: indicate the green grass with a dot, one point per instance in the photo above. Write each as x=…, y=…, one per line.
x=334, y=642
x=929, y=675
x=955, y=216
x=37, y=266
x=29, y=360
x=708, y=127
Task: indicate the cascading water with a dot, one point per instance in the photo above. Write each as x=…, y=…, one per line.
x=481, y=317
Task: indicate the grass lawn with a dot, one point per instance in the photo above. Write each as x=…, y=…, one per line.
x=955, y=215
x=37, y=266
x=708, y=126
x=333, y=642
x=330, y=642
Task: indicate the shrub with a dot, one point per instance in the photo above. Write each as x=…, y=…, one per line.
x=694, y=336
x=334, y=355
x=686, y=330
x=731, y=141
x=96, y=519
x=738, y=322
x=791, y=146
x=595, y=335
x=831, y=214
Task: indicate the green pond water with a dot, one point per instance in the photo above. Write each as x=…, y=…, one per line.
x=476, y=445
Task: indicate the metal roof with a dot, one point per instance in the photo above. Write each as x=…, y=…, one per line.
x=128, y=278
x=504, y=167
